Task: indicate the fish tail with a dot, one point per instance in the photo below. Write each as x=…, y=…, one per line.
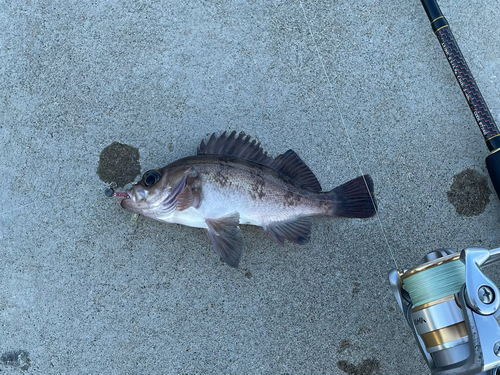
x=353, y=199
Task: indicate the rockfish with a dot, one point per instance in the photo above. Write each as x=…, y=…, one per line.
x=232, y=181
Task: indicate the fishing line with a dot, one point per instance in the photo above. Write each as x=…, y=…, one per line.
x=337, y=105
x=34, y=204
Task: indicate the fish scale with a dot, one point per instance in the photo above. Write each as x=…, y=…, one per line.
x=257, y=204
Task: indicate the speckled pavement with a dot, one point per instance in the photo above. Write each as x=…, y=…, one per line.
x=351, y=87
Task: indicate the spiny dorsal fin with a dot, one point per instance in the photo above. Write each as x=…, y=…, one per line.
x=291, y=165
x=239, y=147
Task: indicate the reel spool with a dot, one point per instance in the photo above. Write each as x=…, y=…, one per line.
x=453, y=310
x=436, y=314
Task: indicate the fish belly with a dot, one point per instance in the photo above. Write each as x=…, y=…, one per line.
x=215, y=203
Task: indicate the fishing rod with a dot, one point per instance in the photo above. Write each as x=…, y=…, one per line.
x=469, y=87
x=451, y=306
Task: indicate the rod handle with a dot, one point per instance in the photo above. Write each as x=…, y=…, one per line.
x=468, y=85
x=463, y=74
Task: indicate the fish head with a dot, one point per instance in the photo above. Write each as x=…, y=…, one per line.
x=147, y=195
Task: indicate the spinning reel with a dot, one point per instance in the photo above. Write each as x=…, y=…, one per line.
x=453, y=309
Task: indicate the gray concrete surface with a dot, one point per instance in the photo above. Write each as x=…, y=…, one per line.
x=86, y=289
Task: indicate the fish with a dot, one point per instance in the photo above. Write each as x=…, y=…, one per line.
x=232, y=181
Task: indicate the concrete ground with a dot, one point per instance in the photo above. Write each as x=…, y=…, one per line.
x=350, y=86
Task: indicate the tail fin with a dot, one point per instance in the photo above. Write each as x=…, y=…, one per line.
x=354, y=198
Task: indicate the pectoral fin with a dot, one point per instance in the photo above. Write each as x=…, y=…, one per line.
x=188, y=197
x=297, y=230
x=226, y=238
x=185, y=193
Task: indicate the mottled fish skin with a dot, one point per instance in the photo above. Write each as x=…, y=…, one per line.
x=230, y=185
x=233, y=181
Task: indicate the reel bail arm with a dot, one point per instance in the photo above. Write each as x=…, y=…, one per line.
x=481, y=293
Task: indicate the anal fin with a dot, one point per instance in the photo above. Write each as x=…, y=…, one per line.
x=296, y=230
x=226, y=238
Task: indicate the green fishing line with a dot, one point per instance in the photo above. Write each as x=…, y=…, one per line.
x=436, y=282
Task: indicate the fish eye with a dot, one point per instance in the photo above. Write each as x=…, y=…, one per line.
x=151, y=177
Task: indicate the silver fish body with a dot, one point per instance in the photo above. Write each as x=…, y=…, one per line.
x=232, y=181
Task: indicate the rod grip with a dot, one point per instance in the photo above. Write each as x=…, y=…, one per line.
x=493, y=165
x=468, y=85
x=463, y=75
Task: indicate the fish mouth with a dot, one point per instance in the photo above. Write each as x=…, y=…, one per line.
x=136, y=194
x=128, y=201
x=133, y=199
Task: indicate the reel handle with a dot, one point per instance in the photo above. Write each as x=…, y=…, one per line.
x=494, y=257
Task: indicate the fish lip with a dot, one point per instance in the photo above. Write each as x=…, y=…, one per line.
x=134, y=195
x=129, y=195
x=129, y=201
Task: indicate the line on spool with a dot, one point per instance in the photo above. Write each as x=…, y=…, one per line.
x=435, y=282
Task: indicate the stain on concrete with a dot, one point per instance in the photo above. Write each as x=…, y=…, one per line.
x=344, y=345
x=469, y=193
x=119, y=163
x=356, y=289
x=363, y=330
x=18, y=359
x=366, y=367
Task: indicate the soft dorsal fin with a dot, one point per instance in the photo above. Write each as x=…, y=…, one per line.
x=292, y=166
x=239, y=147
